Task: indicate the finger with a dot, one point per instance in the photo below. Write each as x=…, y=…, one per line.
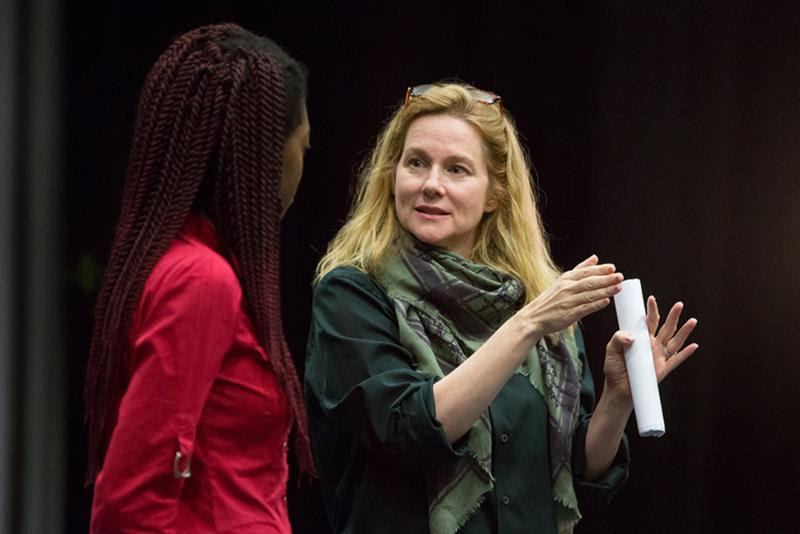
x=589, y=308
x=599, y=282
x=676, y=360
x=652, y=315
x=619, y=341
x=591, y=260
x=680, y=338
x=669, y=326
x=591, y=270
x=587, y=297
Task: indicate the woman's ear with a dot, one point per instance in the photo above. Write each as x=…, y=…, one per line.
x=491, y=204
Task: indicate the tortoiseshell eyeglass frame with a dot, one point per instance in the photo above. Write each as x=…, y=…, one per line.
x=479, y=95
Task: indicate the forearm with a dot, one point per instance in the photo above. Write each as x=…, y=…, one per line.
x=136, y=490
x=605, y=431
x=464, y=394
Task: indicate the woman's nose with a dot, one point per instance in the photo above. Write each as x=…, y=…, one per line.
x=433, y=185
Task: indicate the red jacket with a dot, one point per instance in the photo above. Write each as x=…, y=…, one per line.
x=200, y=440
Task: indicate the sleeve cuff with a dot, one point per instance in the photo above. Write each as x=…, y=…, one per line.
x=425, y=432
x=600, y=491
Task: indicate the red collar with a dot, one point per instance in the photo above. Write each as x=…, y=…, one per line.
x=198, y=228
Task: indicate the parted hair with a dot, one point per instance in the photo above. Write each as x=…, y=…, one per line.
x=509, y=238
x=210, y=128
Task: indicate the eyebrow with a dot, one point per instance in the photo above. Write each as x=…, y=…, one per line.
x=460, y=158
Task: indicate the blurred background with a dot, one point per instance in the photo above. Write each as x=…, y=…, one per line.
x=667, y=140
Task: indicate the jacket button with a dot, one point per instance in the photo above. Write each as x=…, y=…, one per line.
x=504, y=437
x=506, y=500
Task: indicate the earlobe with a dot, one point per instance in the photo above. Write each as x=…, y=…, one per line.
x=491, y=205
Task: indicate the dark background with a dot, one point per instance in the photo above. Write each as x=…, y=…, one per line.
x=667, y=139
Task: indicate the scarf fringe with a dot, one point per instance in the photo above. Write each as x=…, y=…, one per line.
x=463, y=521
x=480, y=470
x=568, y=507
x=477, y=300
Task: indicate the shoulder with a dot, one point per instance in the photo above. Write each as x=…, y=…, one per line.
x=349, y=279
x=347, y=293
x=195, y=268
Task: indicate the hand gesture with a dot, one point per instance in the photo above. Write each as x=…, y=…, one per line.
x=575, y=294
x=666, y=342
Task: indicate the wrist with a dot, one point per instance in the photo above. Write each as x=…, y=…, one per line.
x=615, y=400
x=527, y=327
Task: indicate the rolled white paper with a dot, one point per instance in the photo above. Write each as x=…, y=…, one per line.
x=631, y=316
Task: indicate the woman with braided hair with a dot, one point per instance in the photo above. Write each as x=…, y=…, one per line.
x=455, y=394
x=191, y=391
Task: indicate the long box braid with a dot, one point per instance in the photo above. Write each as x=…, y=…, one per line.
x=211, y=118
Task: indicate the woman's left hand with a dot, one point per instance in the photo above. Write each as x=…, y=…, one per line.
x=667, y=343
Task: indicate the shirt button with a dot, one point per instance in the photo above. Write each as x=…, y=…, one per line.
x=506, y=500
x=504, y=437
x=286, y=445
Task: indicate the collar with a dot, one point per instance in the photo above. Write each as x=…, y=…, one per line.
x=200, y=229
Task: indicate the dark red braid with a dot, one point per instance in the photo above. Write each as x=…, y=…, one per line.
x=207, y=115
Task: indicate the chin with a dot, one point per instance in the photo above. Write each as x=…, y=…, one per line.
x=425, y=235
x=435, y=241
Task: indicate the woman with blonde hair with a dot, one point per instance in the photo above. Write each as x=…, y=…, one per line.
x=446, y=378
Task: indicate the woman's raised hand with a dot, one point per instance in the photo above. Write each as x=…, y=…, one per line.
x=575, y=294
x=669, y=340
x=668, y=344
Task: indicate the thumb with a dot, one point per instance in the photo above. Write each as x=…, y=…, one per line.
x=619, y=342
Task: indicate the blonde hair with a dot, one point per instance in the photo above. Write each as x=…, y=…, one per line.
x=509, y=238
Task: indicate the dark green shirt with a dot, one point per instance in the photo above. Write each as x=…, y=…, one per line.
x=376, y=438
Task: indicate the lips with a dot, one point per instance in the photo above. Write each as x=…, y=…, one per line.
x=430, y=210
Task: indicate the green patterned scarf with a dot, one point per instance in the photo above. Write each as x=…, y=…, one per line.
x=447, y=307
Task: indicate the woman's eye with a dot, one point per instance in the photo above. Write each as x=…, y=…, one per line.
x=457, y=169
x=415, y=163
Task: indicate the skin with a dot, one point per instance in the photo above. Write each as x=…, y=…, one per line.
x=441, y=186
x=441, y=193
x=615, y=405
x=294, y=151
